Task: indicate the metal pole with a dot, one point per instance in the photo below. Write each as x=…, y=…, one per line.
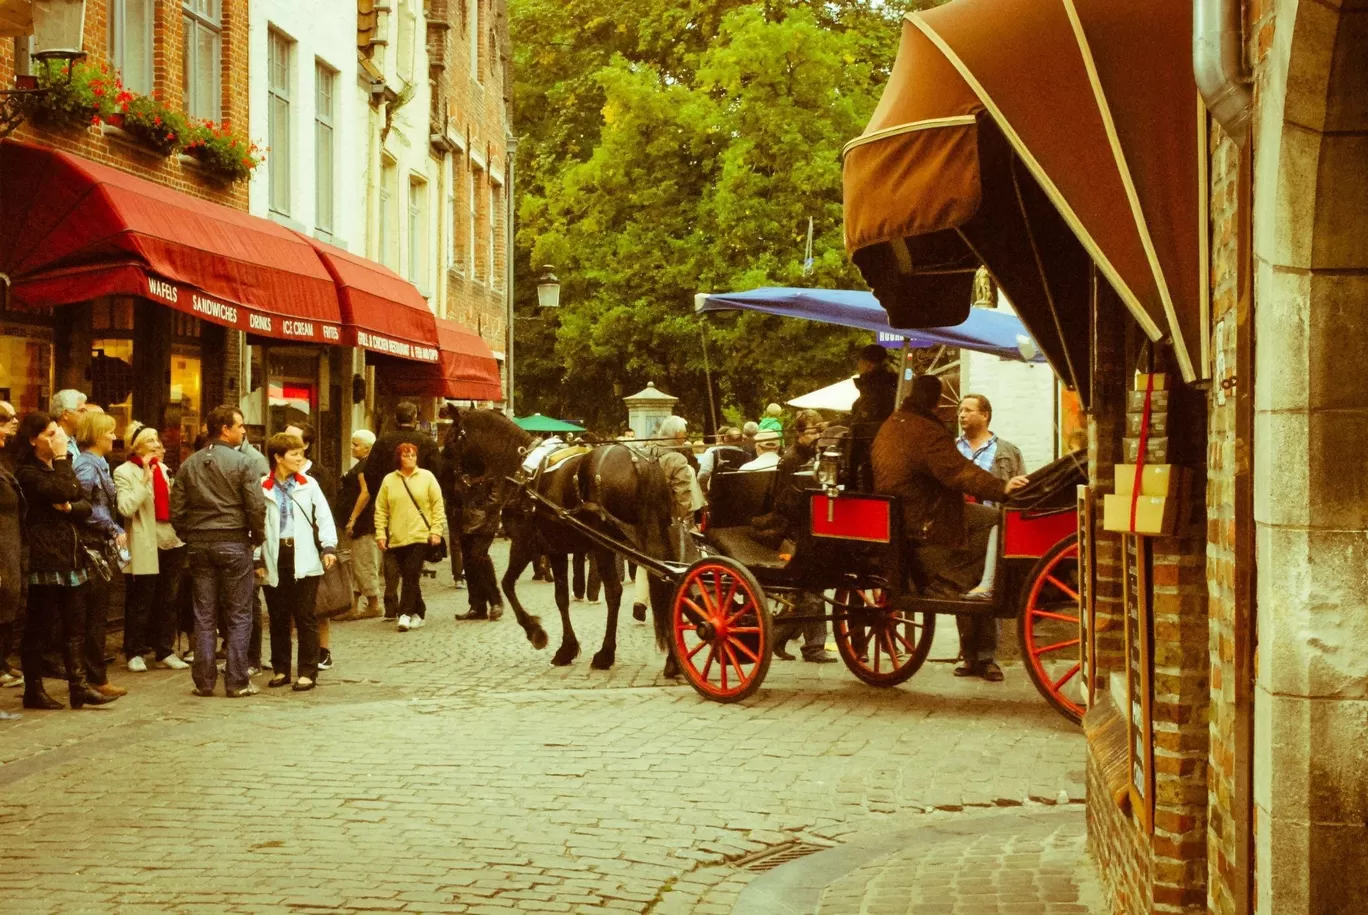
x=511, y=143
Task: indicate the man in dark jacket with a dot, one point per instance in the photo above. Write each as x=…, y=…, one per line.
x=915, y=459
x=383, y=460
x=878, y=387
x=218, y=509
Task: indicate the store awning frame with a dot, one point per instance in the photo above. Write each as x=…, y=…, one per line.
x=72, y=230
x=464, y=370
x=1092, y=117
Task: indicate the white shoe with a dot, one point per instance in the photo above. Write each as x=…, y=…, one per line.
x=416, y=622
x=405, y=622
x=170, y=662
x=137, y=665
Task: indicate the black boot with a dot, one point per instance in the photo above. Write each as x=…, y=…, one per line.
x=79, y=689
x=36, y=697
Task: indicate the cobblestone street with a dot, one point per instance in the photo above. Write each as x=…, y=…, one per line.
x=453, y=769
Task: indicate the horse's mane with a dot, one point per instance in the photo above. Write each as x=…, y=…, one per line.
x=496, y=438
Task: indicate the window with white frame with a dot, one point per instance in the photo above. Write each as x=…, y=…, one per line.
x=408, y=29
x=203, y=53
x=451, y=221
x=417, y=233
x=325, y=145
x=130, y=43
x=389, y=221
x=473, y=215
x=493, y=224
x=278, y=52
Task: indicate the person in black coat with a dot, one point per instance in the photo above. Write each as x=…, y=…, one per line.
x=878, y=387
x=58, y=575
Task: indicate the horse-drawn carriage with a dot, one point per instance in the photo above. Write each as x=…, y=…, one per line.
x=852, y=551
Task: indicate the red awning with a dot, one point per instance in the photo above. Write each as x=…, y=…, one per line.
x=467, y=370
x=381, y=311
x=73, y=230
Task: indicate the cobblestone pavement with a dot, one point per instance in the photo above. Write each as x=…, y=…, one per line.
x=452, y=769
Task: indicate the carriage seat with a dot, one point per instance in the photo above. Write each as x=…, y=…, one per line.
x=735, y=497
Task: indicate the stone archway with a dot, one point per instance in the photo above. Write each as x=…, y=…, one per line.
x=1311, y=461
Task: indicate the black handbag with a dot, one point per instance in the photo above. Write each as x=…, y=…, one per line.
x=436, y=552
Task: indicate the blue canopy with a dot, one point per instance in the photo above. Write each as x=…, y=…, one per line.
x=985, y=331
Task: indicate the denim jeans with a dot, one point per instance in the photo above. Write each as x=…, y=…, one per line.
x=221, y=576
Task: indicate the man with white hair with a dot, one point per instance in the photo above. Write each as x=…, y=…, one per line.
x=355, y=520
x=67, y=406
x=767, y=445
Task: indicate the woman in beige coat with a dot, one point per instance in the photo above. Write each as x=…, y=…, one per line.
x=144, y=496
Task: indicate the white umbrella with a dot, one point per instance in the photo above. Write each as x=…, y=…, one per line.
x=839, y=397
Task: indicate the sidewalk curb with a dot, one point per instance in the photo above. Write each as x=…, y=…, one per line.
x=796, y=888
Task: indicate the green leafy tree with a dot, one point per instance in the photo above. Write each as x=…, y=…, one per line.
x=684, y=148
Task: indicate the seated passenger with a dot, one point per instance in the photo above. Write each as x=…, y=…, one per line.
x=766, y=451
x=915, y=459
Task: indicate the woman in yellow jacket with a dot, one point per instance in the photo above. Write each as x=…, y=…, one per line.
x=409, y=516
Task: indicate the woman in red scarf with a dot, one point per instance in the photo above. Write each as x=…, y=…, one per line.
x=144, y=495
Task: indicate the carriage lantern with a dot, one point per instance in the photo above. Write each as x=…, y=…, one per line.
x=828, y=470
x=548, y=289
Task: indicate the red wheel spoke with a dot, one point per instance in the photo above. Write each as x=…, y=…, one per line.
x=741, y=646
x=731, y=592
x=717, y=594
x=1055, y=647
x=711, y=609
x=696, y=609
x=747, y=607
x=697, y=648
x=751, y=629
x=740, y=676
x=892, y=651
x=1063, y=587
x=722, y=666
x=686, y=627
x=905, y=620
x=911, y=649
x=875, y=648
x=707, y=666
x=1046, y=614
x=1062, y=680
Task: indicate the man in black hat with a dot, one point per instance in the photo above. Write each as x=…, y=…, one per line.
x=878, y=386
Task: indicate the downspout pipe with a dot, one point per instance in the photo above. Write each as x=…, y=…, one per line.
x=1218, y=65
x=511, y=158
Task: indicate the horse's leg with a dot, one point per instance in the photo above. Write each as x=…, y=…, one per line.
x=519, y=556
x=560, y=571
x=662, y=593
x=612, y=589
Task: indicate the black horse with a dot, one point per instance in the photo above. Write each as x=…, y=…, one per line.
x=618, y=491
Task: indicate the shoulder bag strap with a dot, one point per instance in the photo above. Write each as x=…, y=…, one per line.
x=426, y=522
x=318, y=543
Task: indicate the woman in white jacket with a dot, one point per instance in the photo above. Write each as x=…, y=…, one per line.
x=301, y=543
x=143, y=490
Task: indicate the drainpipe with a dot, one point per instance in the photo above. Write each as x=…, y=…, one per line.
x=1218, y=65
x=511, y=158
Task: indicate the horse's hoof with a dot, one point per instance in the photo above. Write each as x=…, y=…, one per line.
x=639, y=612
x=538, y=639
x=672, y=671
x=565, y=655
x=603, y=661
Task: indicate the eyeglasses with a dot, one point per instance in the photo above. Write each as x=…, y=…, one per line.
x=6, y=419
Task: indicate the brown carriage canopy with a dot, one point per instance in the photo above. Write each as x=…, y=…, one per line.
x=1041, y=138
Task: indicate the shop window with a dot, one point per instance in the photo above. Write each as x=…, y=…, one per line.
x=111, y=379
x=25, y=368
x=278, y=52
x=325, y=101
x=292, y=389
x=130, y=42
x=203, y=53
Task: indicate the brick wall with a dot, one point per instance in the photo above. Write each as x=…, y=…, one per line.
x=477, y=109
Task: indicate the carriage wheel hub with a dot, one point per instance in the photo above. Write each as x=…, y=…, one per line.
x=707, y=631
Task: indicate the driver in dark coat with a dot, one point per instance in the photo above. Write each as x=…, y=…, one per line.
x=915, y=459
x=878, y=387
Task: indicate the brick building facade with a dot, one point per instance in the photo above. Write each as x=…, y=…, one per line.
x=197, y=355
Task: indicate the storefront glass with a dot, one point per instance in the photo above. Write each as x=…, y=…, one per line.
x=25, y=367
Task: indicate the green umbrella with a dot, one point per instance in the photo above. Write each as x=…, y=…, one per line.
x=538, y=423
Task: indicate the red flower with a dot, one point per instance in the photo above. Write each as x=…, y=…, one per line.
x=95, y=120
x=157, y=120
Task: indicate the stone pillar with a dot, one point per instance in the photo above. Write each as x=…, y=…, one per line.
x=646, y=408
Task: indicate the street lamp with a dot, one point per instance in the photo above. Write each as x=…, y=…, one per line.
x=58, y=27
x=548, y=289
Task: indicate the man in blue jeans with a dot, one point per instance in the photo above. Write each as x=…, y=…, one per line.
x=218, y=509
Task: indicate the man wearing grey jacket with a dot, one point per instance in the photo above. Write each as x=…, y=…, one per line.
x=218, y=509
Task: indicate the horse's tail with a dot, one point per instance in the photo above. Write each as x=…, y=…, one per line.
x=656, y=501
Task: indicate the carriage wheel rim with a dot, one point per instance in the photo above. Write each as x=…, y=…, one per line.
x=1037, y=610
x=889, y=638
x=716, y=662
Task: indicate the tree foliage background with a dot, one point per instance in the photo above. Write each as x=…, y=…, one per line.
x=669, y=147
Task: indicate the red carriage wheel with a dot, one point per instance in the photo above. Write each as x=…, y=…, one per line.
x=1049, y=627
x=882, y=645
x=721, y=629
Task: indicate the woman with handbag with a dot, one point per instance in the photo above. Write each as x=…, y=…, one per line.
x=57, y=576
x=410, y=520
x=301, y=544
x=155, y=552
x=104, y=538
